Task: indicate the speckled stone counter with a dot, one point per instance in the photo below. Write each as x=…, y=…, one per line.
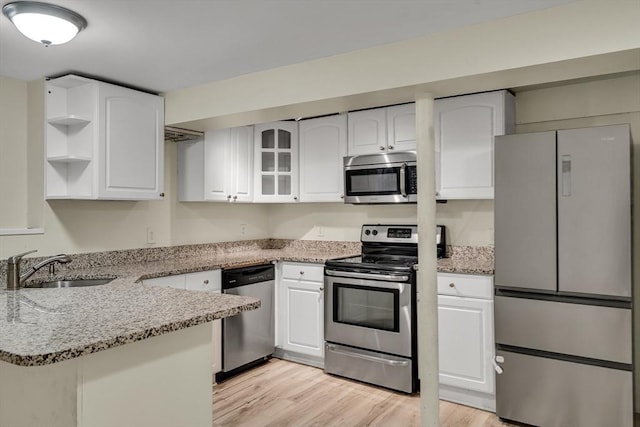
x=44, y=326
x=468, y=260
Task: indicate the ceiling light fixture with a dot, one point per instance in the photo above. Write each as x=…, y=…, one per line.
x=43, y=22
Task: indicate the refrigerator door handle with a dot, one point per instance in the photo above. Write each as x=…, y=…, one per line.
x=566, y=175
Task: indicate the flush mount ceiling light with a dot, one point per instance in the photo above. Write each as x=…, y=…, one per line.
x=43, y=22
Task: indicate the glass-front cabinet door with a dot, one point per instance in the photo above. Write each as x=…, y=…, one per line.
x=276, y=162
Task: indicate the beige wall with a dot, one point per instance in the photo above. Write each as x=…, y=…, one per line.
x=13, y=153
x=468, y=222
x=580, y=39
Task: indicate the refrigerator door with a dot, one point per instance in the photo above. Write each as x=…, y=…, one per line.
x=594, y=211
x=557, y=393
x=525, y=211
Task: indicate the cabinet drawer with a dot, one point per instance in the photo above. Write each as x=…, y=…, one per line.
x=300, y=271
x=204, y=281
x=465, y=285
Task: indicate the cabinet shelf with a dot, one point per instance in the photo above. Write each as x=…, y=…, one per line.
x=68, y=159
x=69, y=120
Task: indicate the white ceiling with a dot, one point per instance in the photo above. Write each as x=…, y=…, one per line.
x=162, y=45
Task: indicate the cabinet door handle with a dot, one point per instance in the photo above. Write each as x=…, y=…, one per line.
x=381, y=147
x=452, y=285
x=235, y=197
x=322, y=288
x=390, y=147
x=302, y=273
x=295, y=197
x=228, y=196
x=206, y=282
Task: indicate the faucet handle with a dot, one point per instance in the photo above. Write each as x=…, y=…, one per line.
x=16, y=258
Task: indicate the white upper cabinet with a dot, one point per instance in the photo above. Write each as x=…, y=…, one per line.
x=464, y=128
x=228, y=172
x=323, y=145
x=367, y=131
x=218, y=167
x=102, y=141
x=276, y=162
x=382, y=129
x=401, y=127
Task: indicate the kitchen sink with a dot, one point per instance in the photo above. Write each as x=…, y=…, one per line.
x=76, y=283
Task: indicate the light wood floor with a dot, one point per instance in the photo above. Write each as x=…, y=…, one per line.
x=281, y=393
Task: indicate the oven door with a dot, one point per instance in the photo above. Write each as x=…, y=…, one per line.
x=387, y=183
x=370, y=311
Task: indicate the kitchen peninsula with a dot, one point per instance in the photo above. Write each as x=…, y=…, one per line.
x=63, y=358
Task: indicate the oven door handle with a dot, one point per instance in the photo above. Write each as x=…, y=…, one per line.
x=333, y=348
x=370, y=276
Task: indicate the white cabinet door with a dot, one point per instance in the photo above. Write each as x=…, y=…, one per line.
x=241, y=160
x=276, y=162
x=367, y=131
x=401, y=127
x=131, y=153
x=465, y=331
x=303, y=325
x=217, y=168
x=301, y=308
x=323, y=145
x=464, y=128
x=217, y=165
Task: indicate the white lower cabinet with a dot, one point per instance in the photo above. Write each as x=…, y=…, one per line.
x=210, y=281
x=466, y=339
x=300, y=312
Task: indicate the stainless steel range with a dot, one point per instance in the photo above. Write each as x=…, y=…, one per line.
x=370, y=315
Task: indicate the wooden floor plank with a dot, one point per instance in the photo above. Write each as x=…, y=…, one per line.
x=286, y=394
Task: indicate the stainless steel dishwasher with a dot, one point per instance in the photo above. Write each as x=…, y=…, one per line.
x=249, y=337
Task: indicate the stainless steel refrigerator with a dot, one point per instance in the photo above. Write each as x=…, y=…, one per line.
x=563, y=311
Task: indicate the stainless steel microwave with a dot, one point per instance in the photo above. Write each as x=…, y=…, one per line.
x=381, y=178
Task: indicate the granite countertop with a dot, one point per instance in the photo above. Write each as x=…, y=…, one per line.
x=44, y=326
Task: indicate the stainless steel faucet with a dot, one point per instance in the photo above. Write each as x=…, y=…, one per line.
x=15, y=279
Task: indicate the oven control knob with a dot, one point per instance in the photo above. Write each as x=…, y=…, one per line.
x=374, y=232
x=367, y=232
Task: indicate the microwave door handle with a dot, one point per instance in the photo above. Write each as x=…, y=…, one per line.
x=403, y=180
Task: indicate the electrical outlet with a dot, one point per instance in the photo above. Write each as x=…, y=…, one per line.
x=320, y=229
x=151, y=238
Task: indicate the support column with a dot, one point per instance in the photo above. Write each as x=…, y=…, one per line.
x=427, y=260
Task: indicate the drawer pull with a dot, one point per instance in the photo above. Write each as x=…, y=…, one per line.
x=302, y=273
x=452, y=285
x=206, y=282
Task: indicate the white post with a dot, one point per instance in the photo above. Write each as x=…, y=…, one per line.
x=427, y=261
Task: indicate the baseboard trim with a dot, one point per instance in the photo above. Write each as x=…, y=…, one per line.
x=484, y=401
x=294, y=356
